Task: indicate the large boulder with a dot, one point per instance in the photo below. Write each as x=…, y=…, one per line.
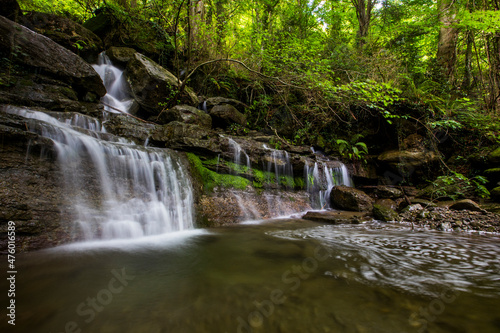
x=120, y=55
x=349, y=198
x=466, y=204
x=186, y=114
x=65, y=32
x=115, y=27
x=42, y=54
x=225, y=115
x=152, y=84
x=186, y=137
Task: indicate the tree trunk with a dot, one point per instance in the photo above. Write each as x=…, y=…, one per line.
x=363, y=13
x=466, y=83
x=447, y=41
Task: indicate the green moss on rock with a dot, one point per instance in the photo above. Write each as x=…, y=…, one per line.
x=211, y=179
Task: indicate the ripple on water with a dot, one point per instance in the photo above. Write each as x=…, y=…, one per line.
x=418, y=262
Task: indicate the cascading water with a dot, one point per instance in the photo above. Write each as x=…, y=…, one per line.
x=321, y=178
x=117, y=99
x=117, y=189
x=278, y=161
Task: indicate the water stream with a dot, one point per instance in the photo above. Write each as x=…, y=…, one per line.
x=278, y=276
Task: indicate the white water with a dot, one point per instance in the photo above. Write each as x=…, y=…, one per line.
x=116, y=85
x=279, y=163
x=320, y=179
x=116, y=189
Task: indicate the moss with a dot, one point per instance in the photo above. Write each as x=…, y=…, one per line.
x=210, y=179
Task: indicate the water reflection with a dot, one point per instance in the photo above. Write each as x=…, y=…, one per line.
x=283, y=276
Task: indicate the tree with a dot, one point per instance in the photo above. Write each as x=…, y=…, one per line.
x=364, y=14
x=446, y=56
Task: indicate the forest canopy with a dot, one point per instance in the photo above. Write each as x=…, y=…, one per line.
x=321, y=63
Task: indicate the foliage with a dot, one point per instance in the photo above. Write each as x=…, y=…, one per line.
x=455, y=185
x=353, y=149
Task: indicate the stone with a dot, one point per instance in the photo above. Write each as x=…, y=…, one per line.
x=186, y=114
x=337, y=217
x=152, y=84
x=495, y=194
x=120, y=55
x=388, y=203
x=186, y=137
x=225, y=115
x=384, y=213
x=466, y=204
x=66, y=33
x=494, y=157
x=423, y=202
x=41, y=53
x=214, y=101
x=413, y=208
x=409, y=158
x=387, y=192
x=349, y=198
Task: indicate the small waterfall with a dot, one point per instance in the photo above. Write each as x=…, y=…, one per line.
x=239, y=152
x=321, y=178
x=117, y=189
x=279, y=163
x=116, y=85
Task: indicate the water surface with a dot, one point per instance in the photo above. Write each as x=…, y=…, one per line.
x=279, y=276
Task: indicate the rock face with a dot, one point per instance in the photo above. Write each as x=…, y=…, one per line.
x=186, y=114
x=30, y=192
x=349, y=198
x=225, y=114
x=215, y=101
x=39, y=52
x=152, y=84
x=65, y=32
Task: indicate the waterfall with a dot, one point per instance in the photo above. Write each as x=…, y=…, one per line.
x=116, y=85
x=238, y=152
x=116, y=189
x=279, y=163
x=321, y=177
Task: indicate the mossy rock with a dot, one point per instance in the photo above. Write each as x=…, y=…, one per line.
x=495, y=194
x=494, y=156
x=383, y=213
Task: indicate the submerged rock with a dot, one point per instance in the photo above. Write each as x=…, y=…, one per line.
x=352, y=199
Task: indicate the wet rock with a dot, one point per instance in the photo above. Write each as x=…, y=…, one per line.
x=120, y=55
x=66, y=33
x=151, y=84
x=408, y=158
x=186, y=114
x=466, y=204
x=128, y=127
x=423, y=202
x=225, y=115
x=31, y=49
x=384, y=213
x=387, y=192
x=337, y=217
x=186, y=137
x=352, y=199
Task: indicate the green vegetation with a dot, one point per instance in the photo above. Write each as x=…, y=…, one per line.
x=320, y=72
x=211, y=179
x=456, y=185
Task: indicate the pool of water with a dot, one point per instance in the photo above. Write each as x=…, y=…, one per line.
x=278, y=276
